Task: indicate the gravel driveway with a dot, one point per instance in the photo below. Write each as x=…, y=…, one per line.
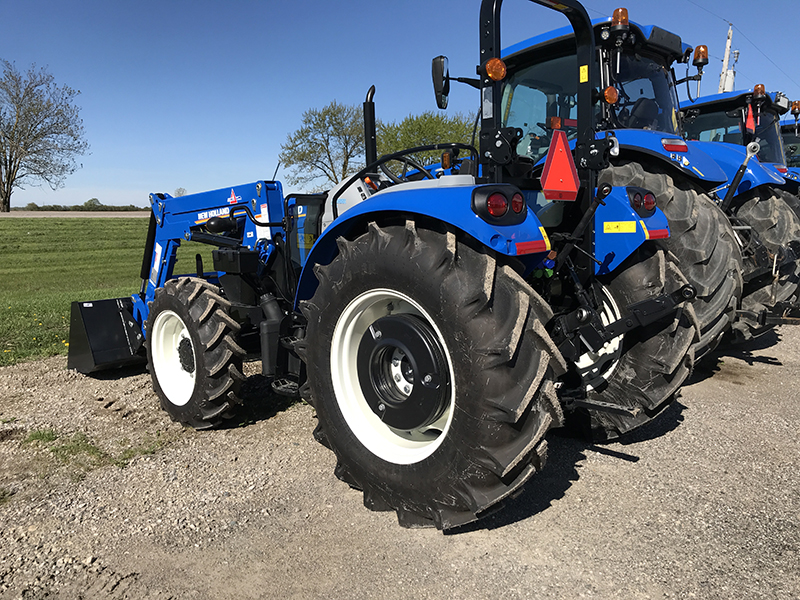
x=101, y=496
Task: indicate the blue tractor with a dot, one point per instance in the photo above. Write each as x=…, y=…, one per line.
x=760, y=197
x=636, y=101
x=440, y=326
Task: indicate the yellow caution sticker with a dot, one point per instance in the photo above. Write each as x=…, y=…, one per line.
x=619, y=227
x=584, y=73
x=546, y=239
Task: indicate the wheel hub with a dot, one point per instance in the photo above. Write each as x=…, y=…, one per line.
x=186, y=355
x=402, y=372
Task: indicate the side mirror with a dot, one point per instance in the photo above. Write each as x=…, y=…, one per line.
x=440, y=71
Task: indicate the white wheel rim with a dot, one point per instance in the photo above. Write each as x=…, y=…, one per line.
x=389, y=444
x=597, y=367
x=175, y=381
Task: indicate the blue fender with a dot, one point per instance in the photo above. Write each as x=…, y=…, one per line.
x=619, y=230
x=730, y=157
x=695, y=162
x=449, y=204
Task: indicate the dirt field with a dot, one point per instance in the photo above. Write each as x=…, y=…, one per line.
x=703, y=503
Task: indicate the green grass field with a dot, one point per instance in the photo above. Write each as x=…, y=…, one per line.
x=45, y=264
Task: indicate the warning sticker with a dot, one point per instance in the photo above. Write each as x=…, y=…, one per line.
x=619, y=227
x=584, y=73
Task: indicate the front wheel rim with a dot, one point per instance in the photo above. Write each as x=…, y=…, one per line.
x=174, y=358
x=349, y=378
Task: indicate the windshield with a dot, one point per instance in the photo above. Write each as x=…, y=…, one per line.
x=647, y=95
x=791, y=144
x=536, y=93
x=722, y=126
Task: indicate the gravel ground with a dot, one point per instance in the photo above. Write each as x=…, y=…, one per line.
x=101, y=496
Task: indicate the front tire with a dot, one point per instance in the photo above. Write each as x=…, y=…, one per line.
x=194, y=361
x=431, y=374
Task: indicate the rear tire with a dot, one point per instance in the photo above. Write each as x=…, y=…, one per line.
x=702, y=239
x=195, y=364
x=776, y=224
x=642, y=369
x=431, y=374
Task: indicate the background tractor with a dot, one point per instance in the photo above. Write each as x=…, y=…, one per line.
x=760, y=199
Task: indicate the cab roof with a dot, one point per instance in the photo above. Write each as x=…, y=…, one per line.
x=736, y=99
x=656, y=39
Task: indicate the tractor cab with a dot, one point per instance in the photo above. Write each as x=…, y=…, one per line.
x=637, y=89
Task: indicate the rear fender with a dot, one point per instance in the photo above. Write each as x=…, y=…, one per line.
x=619, y=230
x=435, y=201
x=695, y=162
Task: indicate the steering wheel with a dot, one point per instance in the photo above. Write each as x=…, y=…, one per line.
x=407, y=161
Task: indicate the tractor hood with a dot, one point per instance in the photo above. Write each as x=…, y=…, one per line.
x=730, y=157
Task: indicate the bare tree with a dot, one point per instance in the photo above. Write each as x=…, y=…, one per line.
x=179, y=192
x=41, y=131
x=326, y=148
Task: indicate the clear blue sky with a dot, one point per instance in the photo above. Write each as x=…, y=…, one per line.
x=201, y=94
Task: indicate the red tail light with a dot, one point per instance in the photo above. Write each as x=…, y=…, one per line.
x=649, y=202
x=674, y=145
x=517, y=203
x=497, y=205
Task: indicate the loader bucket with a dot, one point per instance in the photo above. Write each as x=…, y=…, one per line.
x=103, y=335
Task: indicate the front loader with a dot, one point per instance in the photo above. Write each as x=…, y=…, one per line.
x=439, y=325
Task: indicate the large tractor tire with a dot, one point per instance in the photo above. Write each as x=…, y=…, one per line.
x=776, y=224
x=431, y=374
x=703, y=241
x=791, y=199
x=642, y=369
x=194, y=361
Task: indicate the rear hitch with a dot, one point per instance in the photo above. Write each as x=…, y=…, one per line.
x=583, y=326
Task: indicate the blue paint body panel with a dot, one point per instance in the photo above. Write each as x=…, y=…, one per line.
x=176, y=216
x=730, y=157
x=643, y=31
x=448, y=204
x=696, y=162
x=619, y=231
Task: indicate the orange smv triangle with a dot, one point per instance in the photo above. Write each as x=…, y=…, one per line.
x=560, y=177
x=750, y=122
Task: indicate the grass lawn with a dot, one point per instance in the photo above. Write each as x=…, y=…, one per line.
x=45, y=264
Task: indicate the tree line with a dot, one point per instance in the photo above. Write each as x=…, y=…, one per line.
x=92, y=204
